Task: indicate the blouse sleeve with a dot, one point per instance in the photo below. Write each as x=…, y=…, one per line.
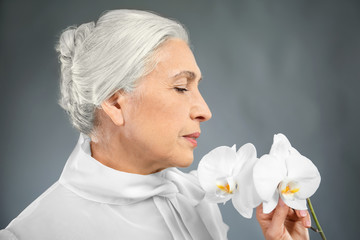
x=7, y=235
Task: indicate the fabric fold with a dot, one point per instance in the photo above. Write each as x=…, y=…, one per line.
x=109, y=204
x=175, y=194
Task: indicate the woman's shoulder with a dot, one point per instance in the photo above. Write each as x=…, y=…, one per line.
x=43, y=213
x=7, y=235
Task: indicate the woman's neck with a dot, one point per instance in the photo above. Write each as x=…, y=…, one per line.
x=115, y=155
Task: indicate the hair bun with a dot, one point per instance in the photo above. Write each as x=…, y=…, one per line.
x=69, y=47
x=72, y=38
x=98, y=61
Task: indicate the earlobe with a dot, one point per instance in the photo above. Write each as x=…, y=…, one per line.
x=112, y=107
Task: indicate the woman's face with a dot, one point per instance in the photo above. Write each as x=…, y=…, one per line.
x=163, y=115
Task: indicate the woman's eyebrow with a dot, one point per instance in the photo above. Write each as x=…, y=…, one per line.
x=188, y=74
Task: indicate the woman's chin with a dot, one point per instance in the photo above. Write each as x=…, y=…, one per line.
x=185, y=162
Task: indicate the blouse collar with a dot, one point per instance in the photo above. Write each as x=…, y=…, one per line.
x=92, y=180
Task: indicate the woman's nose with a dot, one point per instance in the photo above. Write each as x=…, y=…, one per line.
x=200, y=110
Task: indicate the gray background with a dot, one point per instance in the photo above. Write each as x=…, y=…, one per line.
x=268, y=66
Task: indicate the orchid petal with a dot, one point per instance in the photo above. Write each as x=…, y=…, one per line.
x=307, y=187
x=218, y=163
x=216, y=198
x=270, y=205
x=246, y=198
x=247, y=152
x=239, y=205
x=268, y=172
x=294, y=152
x=280, y=146
x=298, y=204
x=246, y=188
x=232, y=183
x=234, y=147
x=302, y=170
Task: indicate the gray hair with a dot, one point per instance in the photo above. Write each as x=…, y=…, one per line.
x=99, y=59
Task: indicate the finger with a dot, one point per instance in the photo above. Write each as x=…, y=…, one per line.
x=292, y=213
x=259, y=208
x=301, y=213
x=280, y=214
x=259, y=211
x=305, y=217
x=307, y=220
x=261, y=216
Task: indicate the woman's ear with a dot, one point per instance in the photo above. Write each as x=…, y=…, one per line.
x=113, y=108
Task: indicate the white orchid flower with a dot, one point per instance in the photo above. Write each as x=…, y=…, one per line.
x=225, y=174
x=286, y=173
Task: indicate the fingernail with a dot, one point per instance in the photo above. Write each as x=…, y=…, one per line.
x=308, y=223
x=303, y=213
x=281, y=202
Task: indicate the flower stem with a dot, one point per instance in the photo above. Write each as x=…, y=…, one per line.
x=319, y=229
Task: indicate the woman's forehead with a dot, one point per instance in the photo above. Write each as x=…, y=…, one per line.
x=176, y=60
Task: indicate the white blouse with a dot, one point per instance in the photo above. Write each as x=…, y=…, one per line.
x=92, y=201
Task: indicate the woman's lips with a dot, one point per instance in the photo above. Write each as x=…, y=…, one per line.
x=192, y=138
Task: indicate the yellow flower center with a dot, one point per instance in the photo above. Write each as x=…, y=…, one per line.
x=288, y=189
x=225, y=188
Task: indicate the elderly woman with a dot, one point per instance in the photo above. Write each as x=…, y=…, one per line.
x=129, y=83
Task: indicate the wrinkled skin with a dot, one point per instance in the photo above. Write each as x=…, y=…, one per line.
x=145, y=131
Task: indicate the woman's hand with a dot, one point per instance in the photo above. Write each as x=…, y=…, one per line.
x=284, y=223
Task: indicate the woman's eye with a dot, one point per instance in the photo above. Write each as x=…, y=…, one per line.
x=179, y=89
